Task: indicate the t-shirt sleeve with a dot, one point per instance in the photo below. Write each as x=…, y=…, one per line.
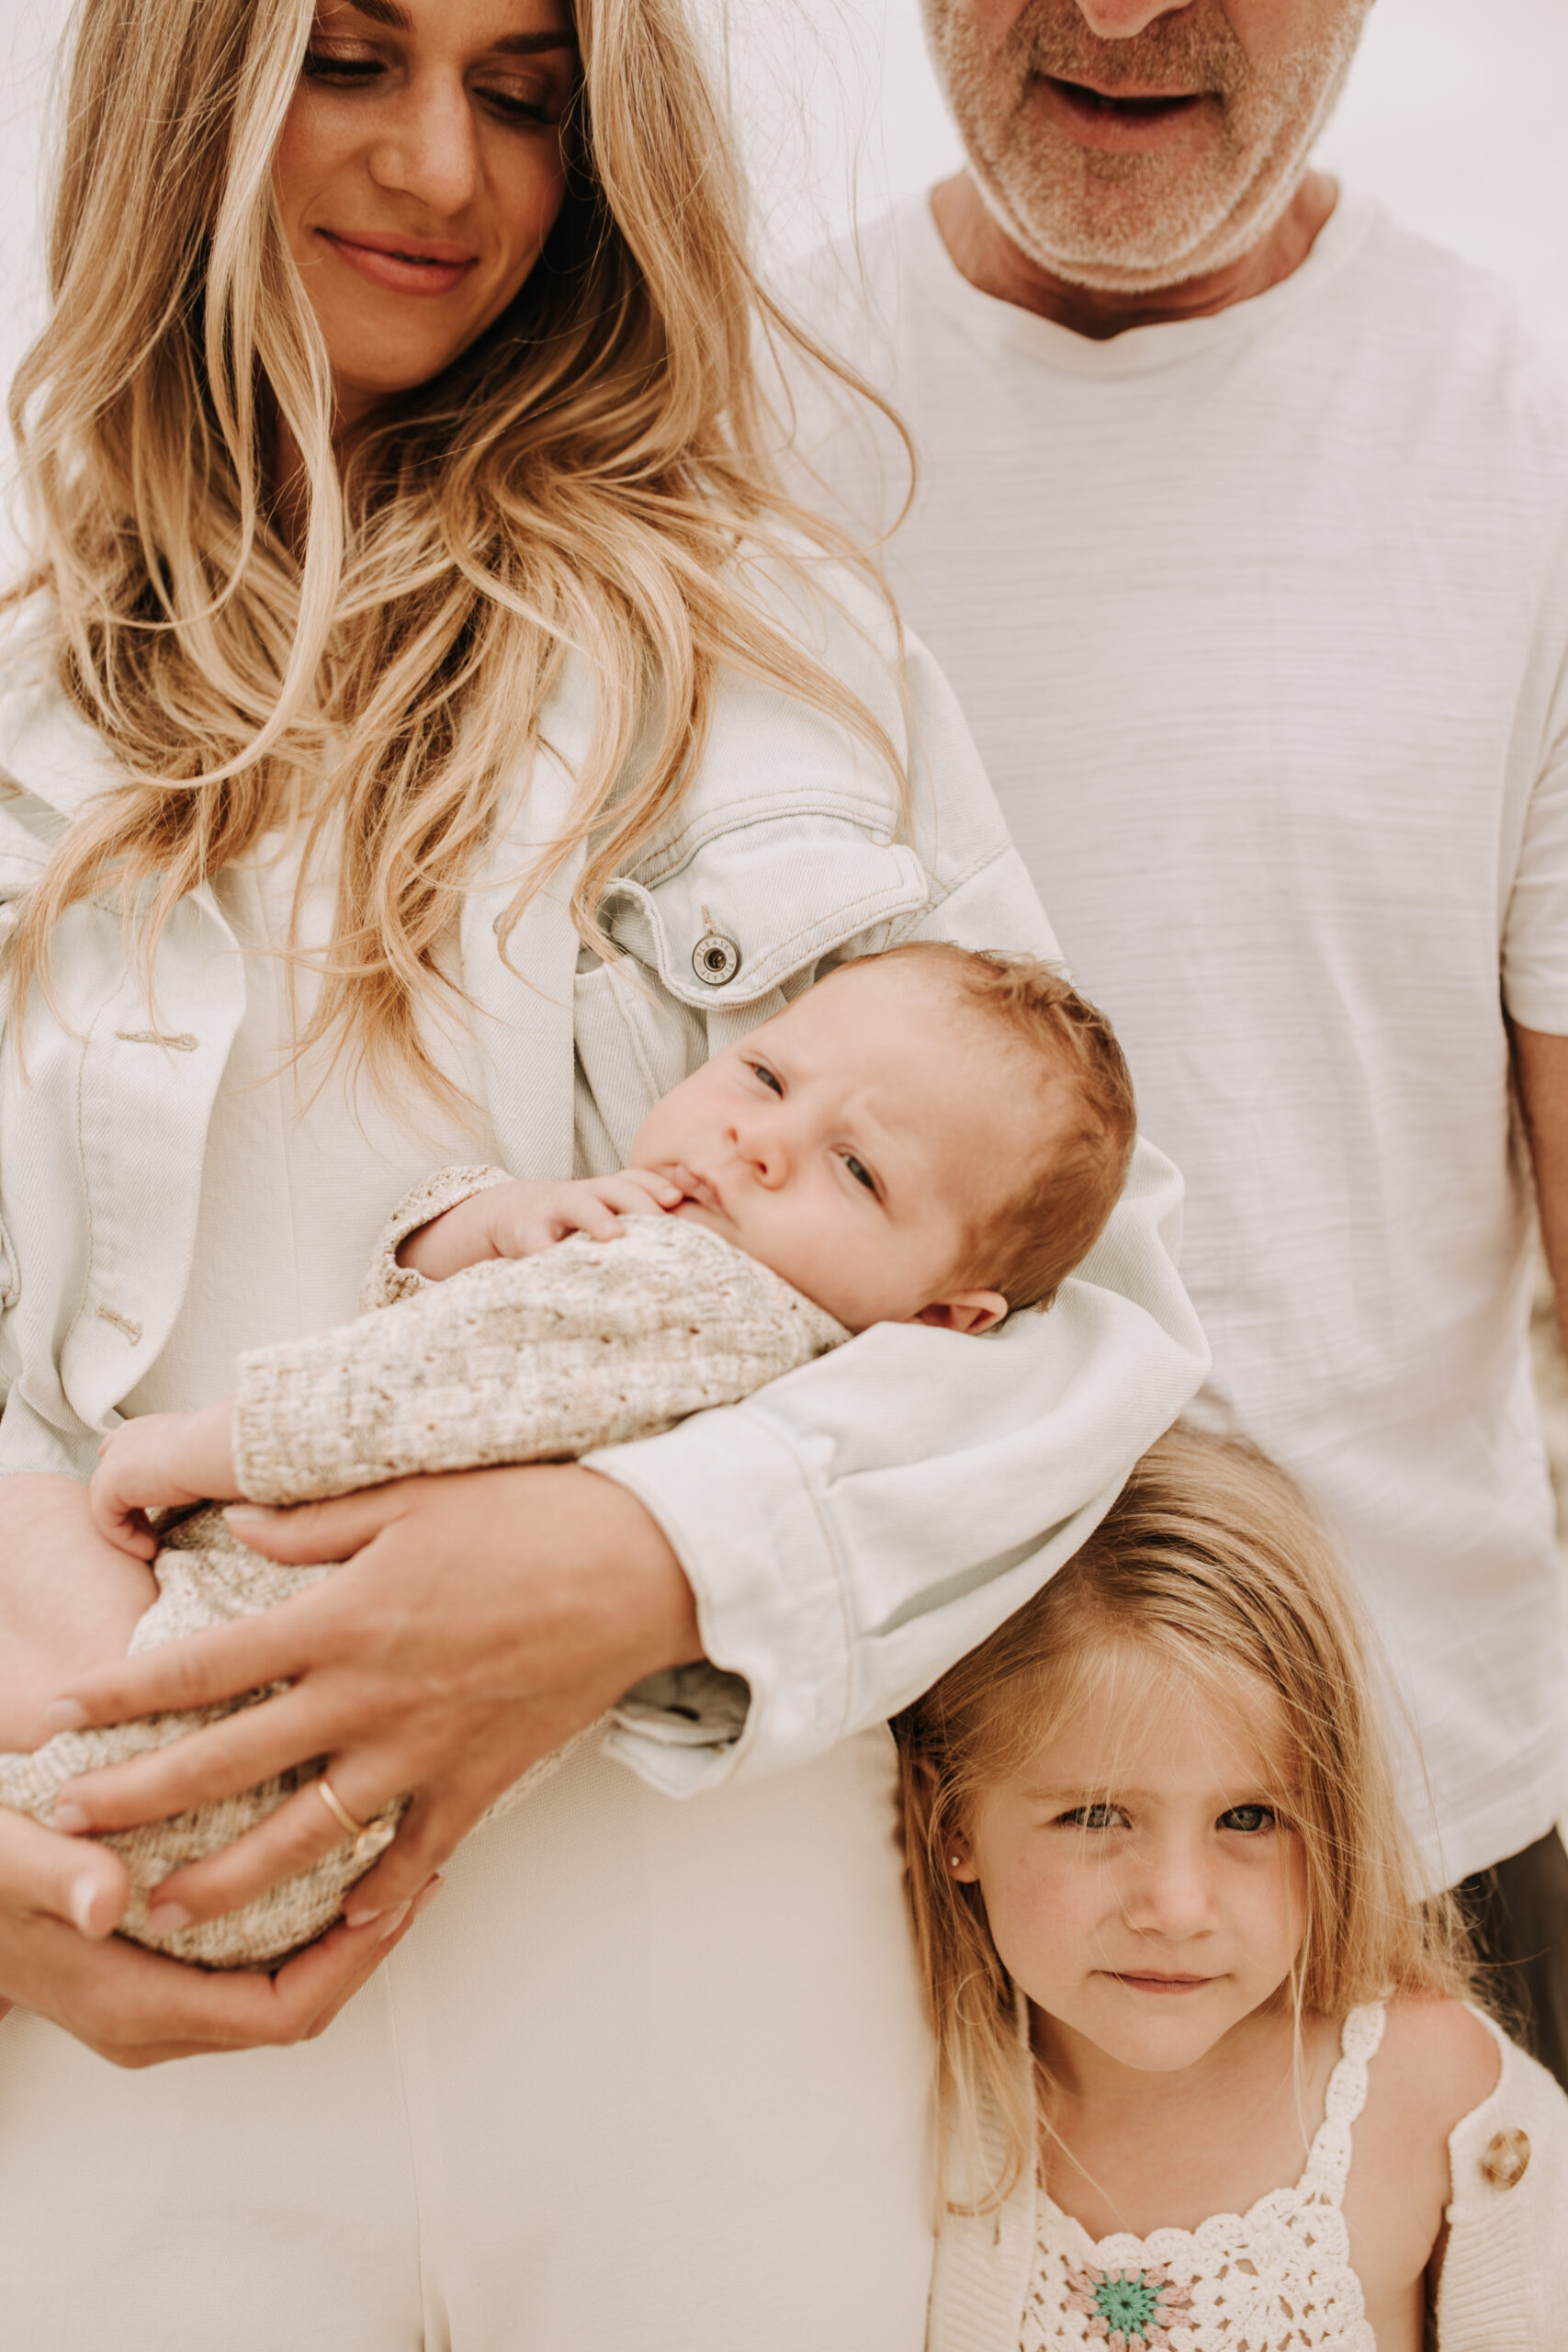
x=1535, y=919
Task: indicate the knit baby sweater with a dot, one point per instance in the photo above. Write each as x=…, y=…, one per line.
x=535, y=1359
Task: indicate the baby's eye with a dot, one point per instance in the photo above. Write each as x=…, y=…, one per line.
x=761, y=1070
x=1095, y=1816
x=1248, y=1818
x=861, y=1173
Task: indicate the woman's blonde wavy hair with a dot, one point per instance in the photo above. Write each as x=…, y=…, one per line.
x=580, y=480
x=1208, y=1573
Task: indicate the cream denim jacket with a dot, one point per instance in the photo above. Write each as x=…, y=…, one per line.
x=848, y=1531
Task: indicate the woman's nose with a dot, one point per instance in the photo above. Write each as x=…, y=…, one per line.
x=427, y=147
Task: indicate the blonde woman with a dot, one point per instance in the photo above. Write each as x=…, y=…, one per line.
x=429, y=732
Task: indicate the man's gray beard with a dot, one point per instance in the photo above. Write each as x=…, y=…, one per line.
x=1132, y=223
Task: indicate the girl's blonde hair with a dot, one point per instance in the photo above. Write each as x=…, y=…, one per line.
x=1207, y=1570
x=582, y=478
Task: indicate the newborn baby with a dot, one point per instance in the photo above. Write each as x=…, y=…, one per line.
x=930, y=1136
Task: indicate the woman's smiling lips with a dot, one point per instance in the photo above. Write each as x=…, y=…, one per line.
x=402, y=264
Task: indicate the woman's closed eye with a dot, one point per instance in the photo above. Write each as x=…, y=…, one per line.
x=527, y=102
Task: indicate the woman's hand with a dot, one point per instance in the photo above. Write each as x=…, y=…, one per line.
x=68, y=1600
x=482, y=1618
x=134, y=2008
x=60, y=1898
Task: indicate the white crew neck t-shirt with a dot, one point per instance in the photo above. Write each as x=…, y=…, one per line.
x=1260, y=622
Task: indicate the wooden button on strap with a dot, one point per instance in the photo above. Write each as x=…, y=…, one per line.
x=1504, y=2160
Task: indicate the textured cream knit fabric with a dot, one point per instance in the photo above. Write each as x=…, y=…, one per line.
x=526, y=1360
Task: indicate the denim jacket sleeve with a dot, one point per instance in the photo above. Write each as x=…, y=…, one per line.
x=851, y=1529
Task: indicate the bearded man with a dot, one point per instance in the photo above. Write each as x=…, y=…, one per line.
x=1241, y=527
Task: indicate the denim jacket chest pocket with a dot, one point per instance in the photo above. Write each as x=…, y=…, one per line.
x=719, y=926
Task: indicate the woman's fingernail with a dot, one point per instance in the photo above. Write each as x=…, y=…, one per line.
x=359, y=1918
x=65, y=1715
x=168, y=1918
x=249, y=1515
x=80, y=1902
x=394, y=1921
x=68, y=1818
x=428, y=1892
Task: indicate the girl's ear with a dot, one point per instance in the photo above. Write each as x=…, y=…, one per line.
x=954, y=1856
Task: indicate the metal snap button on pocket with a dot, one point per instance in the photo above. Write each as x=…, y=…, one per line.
x=1505, y=2158
x=715, y=958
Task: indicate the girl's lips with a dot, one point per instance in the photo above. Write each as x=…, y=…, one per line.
x=421, y=266
x=1162, y=1983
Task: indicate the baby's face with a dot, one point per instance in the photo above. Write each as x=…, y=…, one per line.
x=847, y=1143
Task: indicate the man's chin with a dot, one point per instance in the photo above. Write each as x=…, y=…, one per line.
x=1137, y=260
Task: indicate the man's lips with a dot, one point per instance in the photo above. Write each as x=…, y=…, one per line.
x=402, y=264
x=1127, y=119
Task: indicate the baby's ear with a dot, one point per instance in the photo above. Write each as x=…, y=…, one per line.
x=968, y=1310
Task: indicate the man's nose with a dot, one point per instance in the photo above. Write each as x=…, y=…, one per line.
x=1122, y=19
x=427, y=146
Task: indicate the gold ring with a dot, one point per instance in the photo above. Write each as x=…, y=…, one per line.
x=339, y=1810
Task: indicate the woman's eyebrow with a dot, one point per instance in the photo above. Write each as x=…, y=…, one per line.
x=390, y=13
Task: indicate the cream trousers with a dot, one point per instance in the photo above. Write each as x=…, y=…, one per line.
x=647, y=2078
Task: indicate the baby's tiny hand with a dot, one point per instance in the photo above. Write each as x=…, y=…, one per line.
x=157, y=1461
x=516, y=1220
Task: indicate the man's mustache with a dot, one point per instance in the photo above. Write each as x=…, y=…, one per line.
x=1193, y=50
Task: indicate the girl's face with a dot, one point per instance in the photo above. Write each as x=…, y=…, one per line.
x=419, y=174
x=1138, y=1883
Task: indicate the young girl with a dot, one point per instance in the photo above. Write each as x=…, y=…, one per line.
x=1209, y=2079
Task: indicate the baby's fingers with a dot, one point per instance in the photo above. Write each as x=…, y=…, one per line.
x=642, y=1189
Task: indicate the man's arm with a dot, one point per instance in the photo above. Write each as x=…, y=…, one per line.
x=1541, y=1074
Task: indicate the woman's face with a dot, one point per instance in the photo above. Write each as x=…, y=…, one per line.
x=419, y=174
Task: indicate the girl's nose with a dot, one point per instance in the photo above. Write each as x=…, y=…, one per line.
x=427, y=149
x=1168, y=1893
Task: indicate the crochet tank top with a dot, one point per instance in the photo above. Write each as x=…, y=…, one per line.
x=1277, y=2279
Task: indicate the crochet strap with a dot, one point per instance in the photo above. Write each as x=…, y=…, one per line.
x=1328, y=2159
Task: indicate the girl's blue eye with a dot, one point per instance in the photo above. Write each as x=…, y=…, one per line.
x=1095, y=1816
x=1248, y=1818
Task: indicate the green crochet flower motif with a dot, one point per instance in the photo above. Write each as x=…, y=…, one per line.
x=1127, y=2303
x=1128, y=2311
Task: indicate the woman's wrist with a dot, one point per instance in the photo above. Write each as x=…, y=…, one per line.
x=639, y=1586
